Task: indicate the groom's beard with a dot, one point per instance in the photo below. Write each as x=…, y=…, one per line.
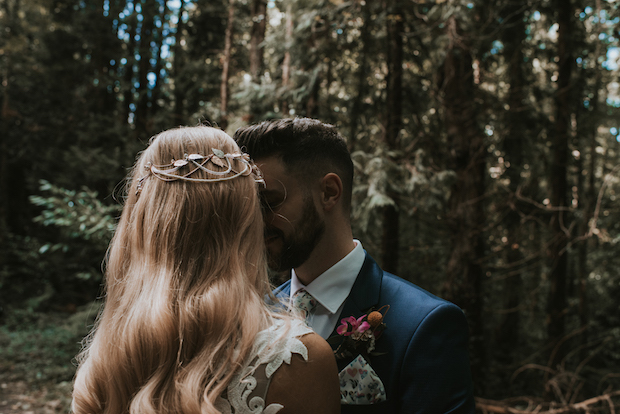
x=300, y=242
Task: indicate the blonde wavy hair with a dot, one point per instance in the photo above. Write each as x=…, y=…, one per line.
x=185, y=283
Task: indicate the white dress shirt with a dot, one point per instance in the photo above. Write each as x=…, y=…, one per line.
x=331, y=289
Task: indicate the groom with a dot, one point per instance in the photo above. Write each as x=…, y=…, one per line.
x=419, y=362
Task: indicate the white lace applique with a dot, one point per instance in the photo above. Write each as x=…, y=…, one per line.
x=272, y=347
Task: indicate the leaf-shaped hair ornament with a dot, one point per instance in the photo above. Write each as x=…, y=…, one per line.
x=198, y=162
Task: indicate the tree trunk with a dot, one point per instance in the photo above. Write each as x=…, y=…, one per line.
x=259, y=25
x=558, y=182
x=588, y=124
x=362, y=74
x=257, y=64
x=144, y=67
x=226, y=66
x=313, y=97
x=393, y=117
x=159, y=64
x=4, y=132
x=508, y=336
x=128, y=76
x=286, y=63
x=466, y=216
x=178, y=63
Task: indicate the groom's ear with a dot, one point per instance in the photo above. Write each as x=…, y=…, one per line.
x=331, y=191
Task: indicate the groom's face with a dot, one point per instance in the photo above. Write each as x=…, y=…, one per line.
x=293, y=225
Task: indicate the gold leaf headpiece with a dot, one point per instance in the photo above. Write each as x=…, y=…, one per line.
x=197, y=162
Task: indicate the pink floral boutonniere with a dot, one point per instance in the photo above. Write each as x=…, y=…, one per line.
x=357, y=336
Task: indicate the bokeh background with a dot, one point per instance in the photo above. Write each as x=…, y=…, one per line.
x=485, y=135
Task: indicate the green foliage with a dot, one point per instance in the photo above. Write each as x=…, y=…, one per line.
x=23, y=334
x=64, y=264
x=81, y=215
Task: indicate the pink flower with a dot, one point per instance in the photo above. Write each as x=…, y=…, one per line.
x=350, y=325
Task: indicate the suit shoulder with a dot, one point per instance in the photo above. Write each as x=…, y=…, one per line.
x=398, y=290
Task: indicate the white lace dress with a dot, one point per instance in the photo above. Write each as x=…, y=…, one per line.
x=273, y=346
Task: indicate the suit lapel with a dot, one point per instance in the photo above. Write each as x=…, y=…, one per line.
x=365, y=292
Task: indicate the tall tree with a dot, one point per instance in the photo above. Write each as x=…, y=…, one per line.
x=513, y=36
x=588, y=118
x=226, y=66
x=143, y=106
x=286, y=63
x=129, y=72
x=467, y=157
x=558, y=176
x=178, y=64
x=259, y=25
x=355, y=111
x=393, y=125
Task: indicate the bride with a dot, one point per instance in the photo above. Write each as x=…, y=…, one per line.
x=185, y=328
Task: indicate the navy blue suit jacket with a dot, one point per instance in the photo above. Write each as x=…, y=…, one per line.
x=425, y=365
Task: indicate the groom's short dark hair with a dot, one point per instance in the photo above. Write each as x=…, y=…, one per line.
x=308, y=148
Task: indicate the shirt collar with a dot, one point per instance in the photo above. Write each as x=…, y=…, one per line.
x=333, y=286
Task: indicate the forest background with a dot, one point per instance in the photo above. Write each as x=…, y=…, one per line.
x=485, y=136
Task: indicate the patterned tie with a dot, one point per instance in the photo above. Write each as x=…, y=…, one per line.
x=304, y=301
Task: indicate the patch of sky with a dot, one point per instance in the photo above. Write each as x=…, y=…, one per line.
x=151, y=77
x=542, y=46
x=613, y=53
x=470, y=5
x=271, y=4
x=123, y=61
x=165, y=51
x=586, y=103
x=613, y=131
x=497, y=47
x=588, y=10
x=615, y=102
x=536, y=15
x=106, y=8
x=602, y=36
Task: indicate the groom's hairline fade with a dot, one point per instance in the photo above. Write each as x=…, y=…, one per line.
x=308, y=148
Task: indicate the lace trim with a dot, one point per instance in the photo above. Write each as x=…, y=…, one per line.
x=272, y=347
